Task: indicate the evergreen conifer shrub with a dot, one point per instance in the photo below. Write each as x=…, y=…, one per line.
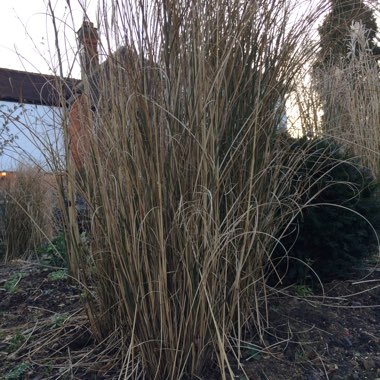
x=335, y=230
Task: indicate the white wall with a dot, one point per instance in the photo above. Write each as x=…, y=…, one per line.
x=37, y=131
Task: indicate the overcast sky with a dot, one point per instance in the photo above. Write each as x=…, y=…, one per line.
x=26, y=33
x=27, y=43
x=27, y=38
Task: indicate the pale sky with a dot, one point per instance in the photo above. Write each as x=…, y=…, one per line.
x=27, y=38
x=27, y=43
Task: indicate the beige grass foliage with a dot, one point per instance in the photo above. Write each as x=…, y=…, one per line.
x=183, y=178
x=26, y=223
x=350, y=96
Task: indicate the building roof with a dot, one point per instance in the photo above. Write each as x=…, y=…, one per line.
x=33, y=88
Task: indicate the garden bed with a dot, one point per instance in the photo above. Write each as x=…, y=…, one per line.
x=45, y=333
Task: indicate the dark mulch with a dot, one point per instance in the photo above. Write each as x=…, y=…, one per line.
x=335, y=335
x=45, y=334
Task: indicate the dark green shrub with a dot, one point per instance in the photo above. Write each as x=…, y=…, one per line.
x=335, y=230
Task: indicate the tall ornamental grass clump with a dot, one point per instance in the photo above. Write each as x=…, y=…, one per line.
x=180, y=168
x=26, y=211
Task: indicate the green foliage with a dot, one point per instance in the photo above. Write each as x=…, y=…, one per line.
x=54, y=252
x=58, y=275
x=16, y=341
x=11, y=285
x=334, y=232
x=58, y=320
x=303, y=290
x=18, y=372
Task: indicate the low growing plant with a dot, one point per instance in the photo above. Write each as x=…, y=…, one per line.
x=54, y=252
x=303, y=290
x=16, y=341
x=58, y=275
x=18, y=372
x=58, y=320
x=11, y=285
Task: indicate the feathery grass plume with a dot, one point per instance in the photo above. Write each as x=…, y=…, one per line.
x=350, y=96
x=178, y=159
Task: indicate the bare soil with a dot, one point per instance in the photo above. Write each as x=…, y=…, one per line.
x=45, y=333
